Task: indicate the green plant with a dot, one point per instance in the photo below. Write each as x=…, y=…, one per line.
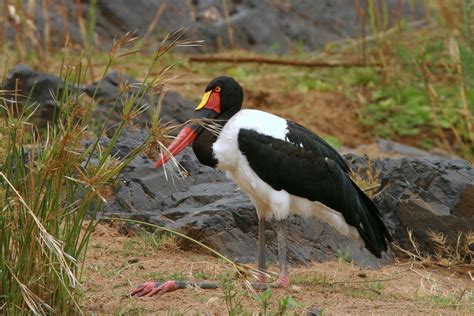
x=343, y=256
x=285, y=303
x=201, y=275
x=264, y=300
x=309, y=279
x=179, y=276
x=50, y=183
x=231, y=294
x=91, y=20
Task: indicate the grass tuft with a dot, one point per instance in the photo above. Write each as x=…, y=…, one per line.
x=50, y=183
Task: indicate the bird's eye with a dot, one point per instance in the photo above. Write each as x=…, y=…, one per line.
x=217, y=89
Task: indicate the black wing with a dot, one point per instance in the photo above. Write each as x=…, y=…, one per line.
x=302, y=137
x=312, y=169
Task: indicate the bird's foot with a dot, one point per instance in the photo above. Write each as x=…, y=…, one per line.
x=262, y=278
x=154, y=288
x=282, y=282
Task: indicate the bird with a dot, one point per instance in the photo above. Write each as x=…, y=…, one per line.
x=284, y=168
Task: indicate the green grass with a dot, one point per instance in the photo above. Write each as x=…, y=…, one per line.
x=145, y=243
x=200, y=275
x=309, y=279
x=343, y=256
x=49, y=183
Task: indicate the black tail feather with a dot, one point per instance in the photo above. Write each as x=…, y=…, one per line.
x=372, y=229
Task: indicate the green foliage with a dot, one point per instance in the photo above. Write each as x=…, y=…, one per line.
x=50, y=184
x=333, y=141
x=286, y=303
x=232, y=295
x=367, y=77
x=237, y=72
x=397, y=111
x=264, y=300
x=343, y=256
x=201, y=275
x=91, y=20
x=424, y=98
x=308, y=82
x=451, y=300
x=178, y=276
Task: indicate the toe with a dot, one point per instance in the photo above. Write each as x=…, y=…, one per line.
x=282, y=282
x=143, y=289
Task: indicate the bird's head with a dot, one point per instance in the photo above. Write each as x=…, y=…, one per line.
x=222, y=95
x=222, y=98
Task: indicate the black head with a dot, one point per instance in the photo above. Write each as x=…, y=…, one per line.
x=223, y=96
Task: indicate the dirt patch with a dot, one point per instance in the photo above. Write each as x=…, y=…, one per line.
x=325, y=113
x=116, y=264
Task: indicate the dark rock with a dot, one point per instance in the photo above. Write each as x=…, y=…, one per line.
x=423, y=195
x=313, y=311
x=115, y=90
x=113, y=93
x=264, y=26
x=35, y=90
x=40, y=91
x=177, y=109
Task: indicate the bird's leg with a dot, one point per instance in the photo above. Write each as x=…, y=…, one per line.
x=160, y=288
x=261, y=249
x=283, y=279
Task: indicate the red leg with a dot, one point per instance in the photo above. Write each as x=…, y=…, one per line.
x=152, y=288
x=282, y=282
x=283, y=279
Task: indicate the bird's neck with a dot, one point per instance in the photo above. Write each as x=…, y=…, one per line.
x=202, y=145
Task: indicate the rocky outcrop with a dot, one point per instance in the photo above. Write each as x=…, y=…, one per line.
x=423, y=194
x=24, y=86
x=427, y=195
x=268, y=26
x=115, y=89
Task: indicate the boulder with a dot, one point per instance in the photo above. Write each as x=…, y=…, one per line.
x=25, y=87
x=40, y=91
x=427, y=195
x=422, y=194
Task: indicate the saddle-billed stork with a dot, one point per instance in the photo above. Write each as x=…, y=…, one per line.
x=285, y=169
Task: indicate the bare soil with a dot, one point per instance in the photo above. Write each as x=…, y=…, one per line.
x=116, y=264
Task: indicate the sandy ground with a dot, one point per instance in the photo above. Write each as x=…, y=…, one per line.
x=117, y=263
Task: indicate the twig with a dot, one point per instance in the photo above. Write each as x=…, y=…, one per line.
x=371, y=188
x=230, y=29
x=46, y=27
x=297, y=63
x=155, y=21
x=364, y=281
x=282, y=62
